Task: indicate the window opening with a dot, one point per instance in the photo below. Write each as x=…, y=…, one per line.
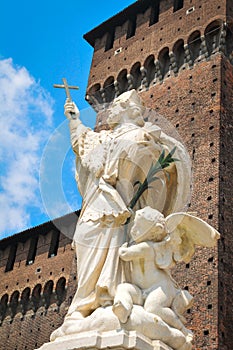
x=110, y=40
x=178, y=4
x=32, y=251
x=54, y=244
x=154, y=15
x=11, y=258
x=131, y=28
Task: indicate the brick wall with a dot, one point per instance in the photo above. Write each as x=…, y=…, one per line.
x=35, y=293
x=225, y=307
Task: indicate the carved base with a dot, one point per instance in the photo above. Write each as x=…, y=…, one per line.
x=114, y=340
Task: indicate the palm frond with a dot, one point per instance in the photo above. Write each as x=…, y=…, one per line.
x=162, y=163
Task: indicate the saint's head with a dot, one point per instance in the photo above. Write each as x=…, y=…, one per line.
x=126, y=108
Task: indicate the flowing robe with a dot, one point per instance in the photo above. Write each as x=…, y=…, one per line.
x=108, y=165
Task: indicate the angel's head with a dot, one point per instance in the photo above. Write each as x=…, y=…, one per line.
x=149, y=225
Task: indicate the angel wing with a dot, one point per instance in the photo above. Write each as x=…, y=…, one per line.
x=185, y=233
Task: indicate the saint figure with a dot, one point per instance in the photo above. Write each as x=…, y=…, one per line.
x=109, y=165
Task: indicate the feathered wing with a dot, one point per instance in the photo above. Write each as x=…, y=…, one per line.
x=187, y=232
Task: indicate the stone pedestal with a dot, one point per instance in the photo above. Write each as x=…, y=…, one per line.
x=108, y=340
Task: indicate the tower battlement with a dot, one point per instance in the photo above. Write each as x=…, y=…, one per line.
x=150, y=41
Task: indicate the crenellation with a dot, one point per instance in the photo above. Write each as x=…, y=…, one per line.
x=11, y=258
x=182, y=56
x=178, y=5
x=161, y=34
x=166, y=8
x=154, y=13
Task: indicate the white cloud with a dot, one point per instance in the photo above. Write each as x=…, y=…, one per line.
x=25, y=122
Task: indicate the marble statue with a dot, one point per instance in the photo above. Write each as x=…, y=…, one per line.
x=158, y=245
x=124, y=254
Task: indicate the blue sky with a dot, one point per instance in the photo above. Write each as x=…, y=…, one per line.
x=42, y=42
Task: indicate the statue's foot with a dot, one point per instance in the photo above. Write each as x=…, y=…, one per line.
x=57, y=334
x=106, y=303
x=76, y=315
x=188, y=343
x=188, y=334
x=69, y=320
x=121, y=311
x=186, y=346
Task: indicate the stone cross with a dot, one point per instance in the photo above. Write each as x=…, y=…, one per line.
x=67, y=88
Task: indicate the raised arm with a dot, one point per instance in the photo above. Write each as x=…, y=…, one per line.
x=76, y=127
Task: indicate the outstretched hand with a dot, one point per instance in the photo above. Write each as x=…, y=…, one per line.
x=71, y=110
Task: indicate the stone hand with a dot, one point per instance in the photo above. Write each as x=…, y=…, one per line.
x=123, y=250
x=71, y=110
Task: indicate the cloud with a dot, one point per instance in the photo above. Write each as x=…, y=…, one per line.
x=57, y=174
x=26, y=112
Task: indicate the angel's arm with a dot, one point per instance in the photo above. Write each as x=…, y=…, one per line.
x=134, y=252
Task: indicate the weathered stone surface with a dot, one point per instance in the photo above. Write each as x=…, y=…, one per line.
x=109, y=340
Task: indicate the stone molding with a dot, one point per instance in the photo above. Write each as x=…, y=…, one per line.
x=115, y=340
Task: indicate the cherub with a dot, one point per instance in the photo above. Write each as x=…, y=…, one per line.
x=159, y=244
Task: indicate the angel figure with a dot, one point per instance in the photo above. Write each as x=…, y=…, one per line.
x=160, y=243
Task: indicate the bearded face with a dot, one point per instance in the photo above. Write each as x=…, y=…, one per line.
x=125, y=112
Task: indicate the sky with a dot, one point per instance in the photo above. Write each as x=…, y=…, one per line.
x=42, y=42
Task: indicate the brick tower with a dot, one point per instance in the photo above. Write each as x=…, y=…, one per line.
x=178, y=54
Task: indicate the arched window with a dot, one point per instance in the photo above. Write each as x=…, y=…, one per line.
x=122, y=81
x=25, y=299
x=178, y=50
x=194, y=43
x=14, y=302
x=212, y=35
x=36, y=296
x=47, y=293
x=164, y=61
x=150, y=68
x=3, y=306
x=61, y=290
x=136, y=74
x=109, y=89
x=229, y=42
x=95, y=95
